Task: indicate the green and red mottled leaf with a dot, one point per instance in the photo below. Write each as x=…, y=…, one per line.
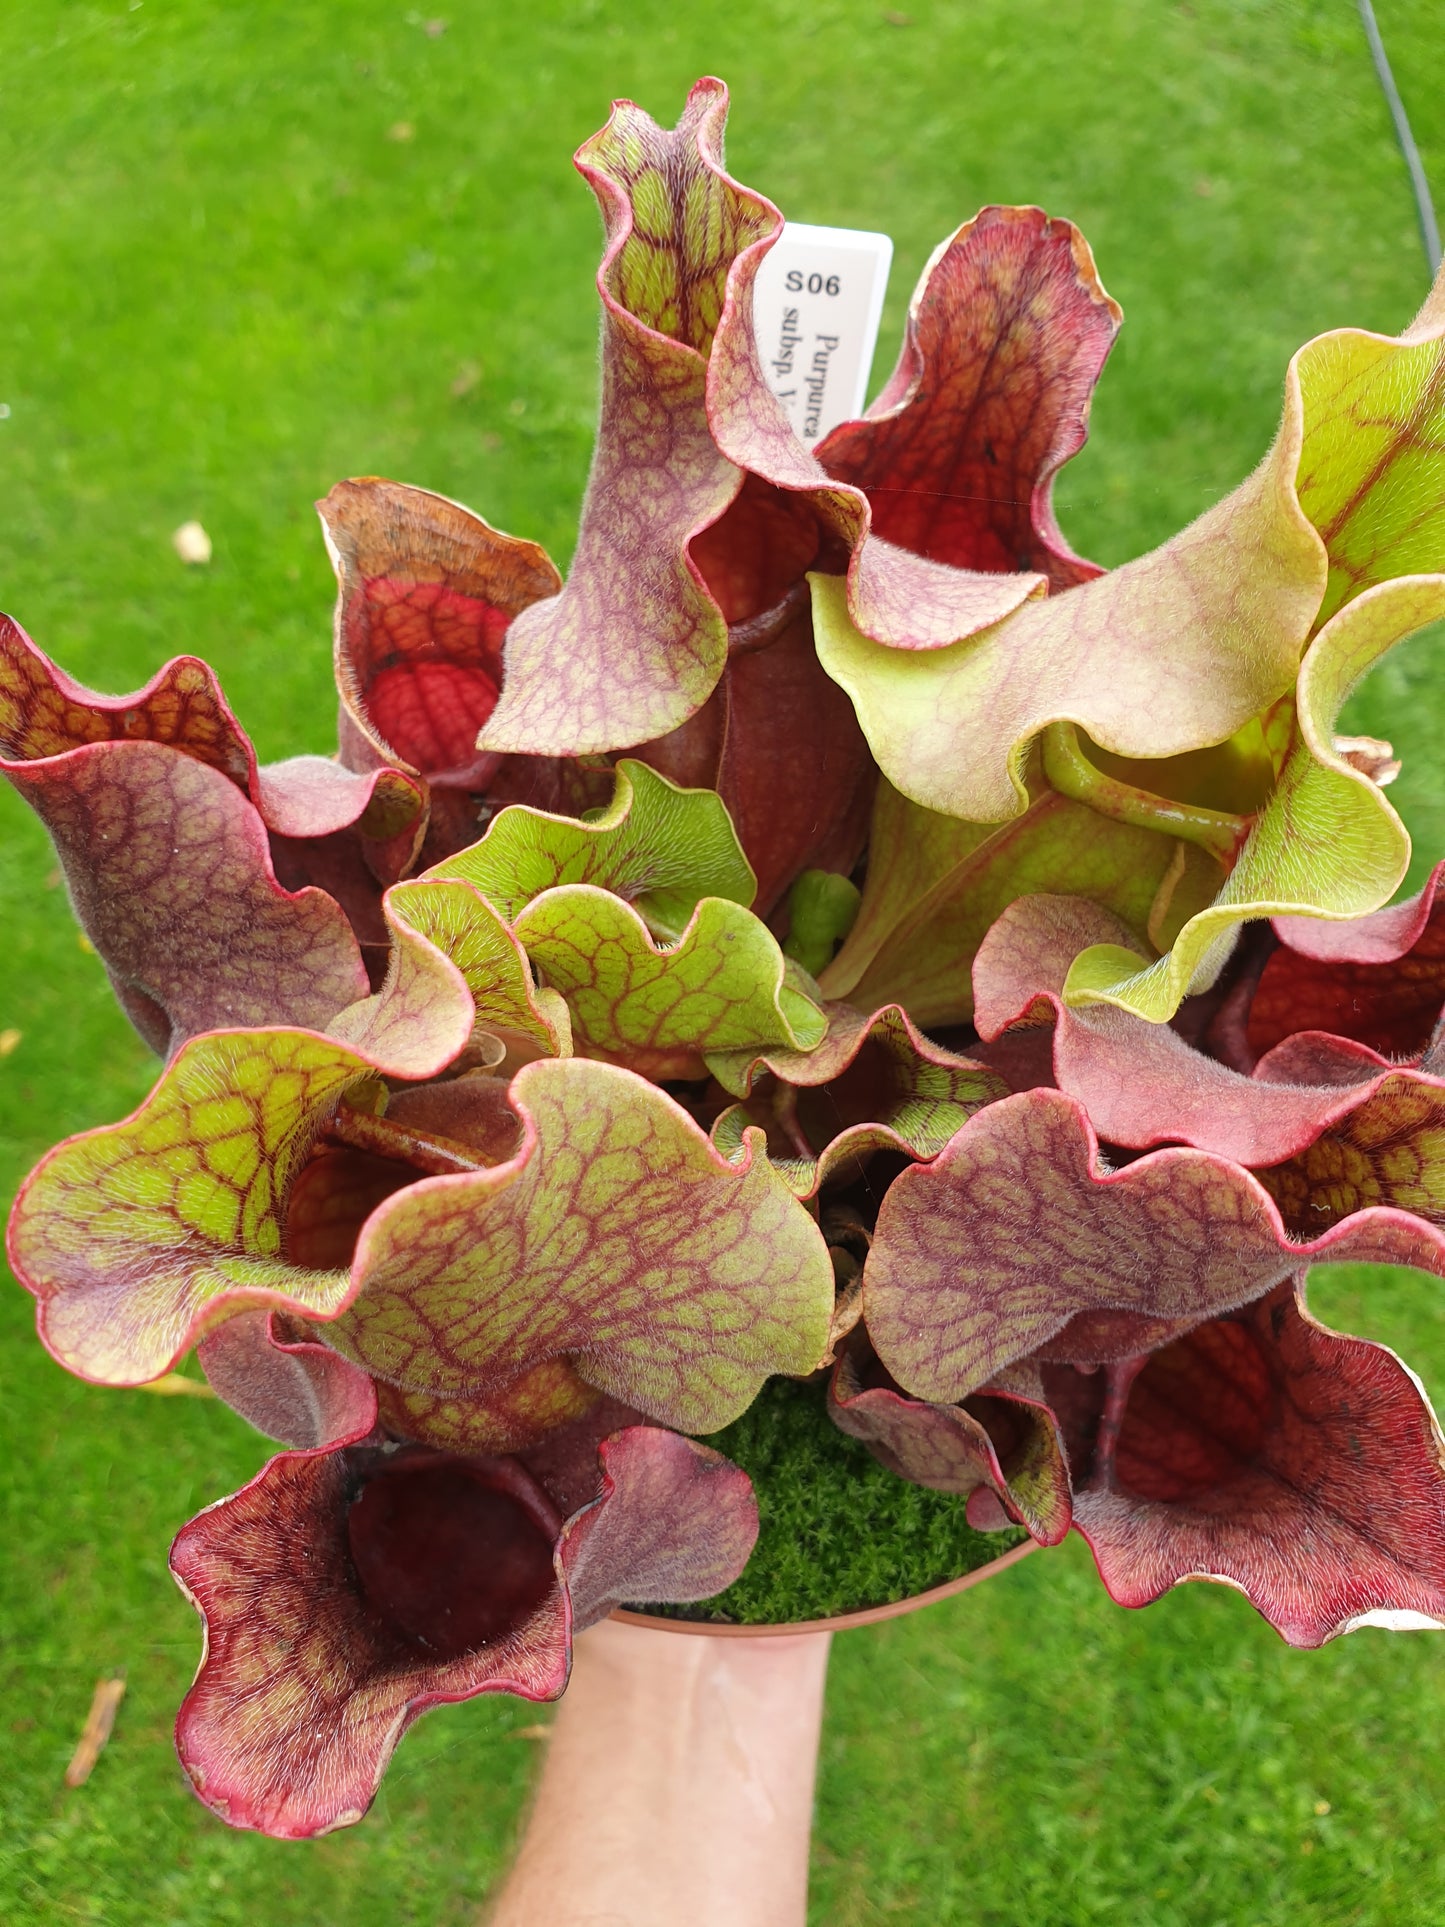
x=1344, y=503
x=617, y=1238
x=1016, y=1240
x=935, y=885
x=171, y=879
x=1004, y=1442
x=453, y=920
x=518, y=1417
x=137, y=1237
x=423, y=1015
x=635, y=642
x=659, y=846
x=1008, y=332
x=346, y=1593
x=1326, y=844
x=1383, y=1145
x=874, y=1083
x=674, y=1521
x=723, y=985
x=44, y=713
x=286, y=1383
x=1260, y=1449
x=1378, y=979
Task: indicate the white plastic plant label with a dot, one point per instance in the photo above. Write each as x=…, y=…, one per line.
x=817, y=304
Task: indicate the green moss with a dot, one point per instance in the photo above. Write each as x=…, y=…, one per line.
x=837, y=1532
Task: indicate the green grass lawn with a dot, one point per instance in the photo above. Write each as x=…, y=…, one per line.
x=250, y=249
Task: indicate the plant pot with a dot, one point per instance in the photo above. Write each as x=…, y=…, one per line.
x=841, y=1622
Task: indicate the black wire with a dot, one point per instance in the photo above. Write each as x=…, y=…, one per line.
x=1429, y=231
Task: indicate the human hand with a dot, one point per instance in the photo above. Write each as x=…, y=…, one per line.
x=678, y=1785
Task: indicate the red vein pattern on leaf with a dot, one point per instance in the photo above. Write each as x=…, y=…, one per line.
x=676, y=220
x=658, y=1006
x=908, y=600
x=1388, y=1148
x=1007, y=334
x=44, y=713
x=426, y=590
x=875, y=1082
x=1016, y=1238
x=1388, y=522
x=307, y=1682
x=616, y=1237
x=344, y=1593
x=135, y=1236
x=674, y=1521
x=454, y=919
x=520, y=1416
x=635, y=642
x=1303, y=1466
x=171, y=878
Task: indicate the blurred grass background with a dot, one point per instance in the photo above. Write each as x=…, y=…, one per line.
x=248, y=250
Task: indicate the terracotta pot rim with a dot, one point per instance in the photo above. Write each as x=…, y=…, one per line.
x=840, y=1622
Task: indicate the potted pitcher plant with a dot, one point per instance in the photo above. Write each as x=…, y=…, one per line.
x=765, y=1078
